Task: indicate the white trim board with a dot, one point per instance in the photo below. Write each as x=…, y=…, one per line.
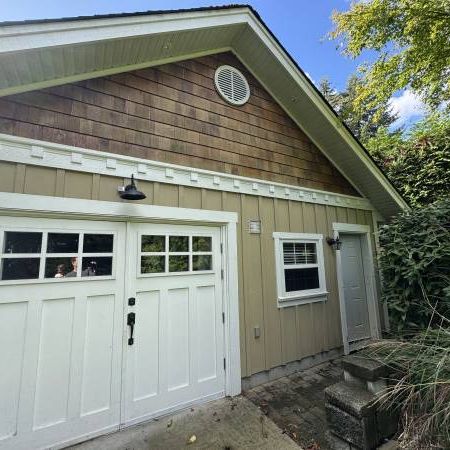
x=41, y=153
x=369, y=281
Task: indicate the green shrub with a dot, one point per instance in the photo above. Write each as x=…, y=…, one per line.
x=415, y=263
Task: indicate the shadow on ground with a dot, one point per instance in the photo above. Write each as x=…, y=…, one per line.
x=296, y=403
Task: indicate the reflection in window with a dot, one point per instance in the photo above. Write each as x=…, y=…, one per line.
x=61, y=267
x=178, y=243
x=201, y=244
x=22, y=242
x=62, y=243
x=98, y=243
x=178, y=263
x=153, y=244
x=20, y=268
x=153, y=264
x=62, y=256
x=96, y=266
x=201, y=262
x=301, y=279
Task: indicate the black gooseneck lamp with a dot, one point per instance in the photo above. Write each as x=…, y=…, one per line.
x=130, y=192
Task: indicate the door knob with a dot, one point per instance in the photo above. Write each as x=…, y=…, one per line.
x=131, y=320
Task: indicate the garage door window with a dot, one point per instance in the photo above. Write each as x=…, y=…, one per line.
x=55, y=255
x=169, y=254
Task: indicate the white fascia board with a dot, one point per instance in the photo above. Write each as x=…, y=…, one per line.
x=17, y=38
x=47, y=154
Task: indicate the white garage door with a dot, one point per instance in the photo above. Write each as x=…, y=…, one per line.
x=177, y=354
x=68, y=366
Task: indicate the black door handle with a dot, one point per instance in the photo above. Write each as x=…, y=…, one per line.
x=131, y=320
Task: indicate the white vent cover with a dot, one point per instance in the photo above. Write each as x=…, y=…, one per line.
x=232, y=85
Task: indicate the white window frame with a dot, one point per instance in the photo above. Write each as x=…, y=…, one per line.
x=306, y=296
x=43, y=255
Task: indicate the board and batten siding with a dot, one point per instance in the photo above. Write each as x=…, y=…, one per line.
x=287, y=334
x=173, y=114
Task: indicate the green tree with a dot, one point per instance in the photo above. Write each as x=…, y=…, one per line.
x=412, y=38
x=363, y=119
x=417, y=163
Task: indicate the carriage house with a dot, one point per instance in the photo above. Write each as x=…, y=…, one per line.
x=182, y=215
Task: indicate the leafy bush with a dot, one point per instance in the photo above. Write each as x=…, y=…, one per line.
x=415, y=262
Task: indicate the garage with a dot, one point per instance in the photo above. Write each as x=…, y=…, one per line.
x=106, y=324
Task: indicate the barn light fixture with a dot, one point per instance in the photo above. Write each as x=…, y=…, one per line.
x=336, y=243
x=130, y=192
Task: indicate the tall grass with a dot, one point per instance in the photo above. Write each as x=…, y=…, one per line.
x=421, y=387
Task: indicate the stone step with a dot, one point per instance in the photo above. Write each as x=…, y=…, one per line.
x=354, y=416
x=351, y=398
x=364, y=368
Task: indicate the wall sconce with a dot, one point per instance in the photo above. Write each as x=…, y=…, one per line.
x=130, y=192
x=336, y=243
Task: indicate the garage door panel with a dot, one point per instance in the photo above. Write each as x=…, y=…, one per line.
x=206, y=325
x=178, y=335
x=98, y=354
x=185, y=348
x=53, y=372
x=13, y=318
x=146, y=348
x=65, y=340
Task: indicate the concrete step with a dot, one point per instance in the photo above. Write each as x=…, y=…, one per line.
x=354, y=416
x=364, y=368
x=351, y=398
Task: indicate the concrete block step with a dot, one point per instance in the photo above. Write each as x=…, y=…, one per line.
x=364, y=368
x=351, y=398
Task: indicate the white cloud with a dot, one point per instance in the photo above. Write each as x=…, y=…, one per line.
x=408, y=107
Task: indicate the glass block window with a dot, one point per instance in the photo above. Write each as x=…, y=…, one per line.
x=300, y=268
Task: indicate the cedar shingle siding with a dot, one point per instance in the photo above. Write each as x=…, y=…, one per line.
x=173, y=114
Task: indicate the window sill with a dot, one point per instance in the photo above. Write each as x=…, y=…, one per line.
x=283, y=302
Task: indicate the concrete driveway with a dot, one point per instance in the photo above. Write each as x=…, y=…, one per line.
x=226, y=424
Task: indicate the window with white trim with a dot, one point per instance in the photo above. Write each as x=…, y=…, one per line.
x=300, y=268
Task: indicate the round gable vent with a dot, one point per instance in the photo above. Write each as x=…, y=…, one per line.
x=232, y=85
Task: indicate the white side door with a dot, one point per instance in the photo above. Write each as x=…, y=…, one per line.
x=176, y=357
x=61, y=330
x=357, y=312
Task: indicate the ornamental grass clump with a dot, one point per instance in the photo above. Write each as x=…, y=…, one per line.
x=421, y=387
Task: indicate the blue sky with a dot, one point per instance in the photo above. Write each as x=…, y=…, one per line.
x=300, y=25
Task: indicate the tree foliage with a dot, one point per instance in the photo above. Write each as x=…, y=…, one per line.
x=415, y=262
x=412, y=38
x=363, y=119
x=418, y=163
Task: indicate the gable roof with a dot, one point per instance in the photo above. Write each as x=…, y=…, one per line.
x=41, y=53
